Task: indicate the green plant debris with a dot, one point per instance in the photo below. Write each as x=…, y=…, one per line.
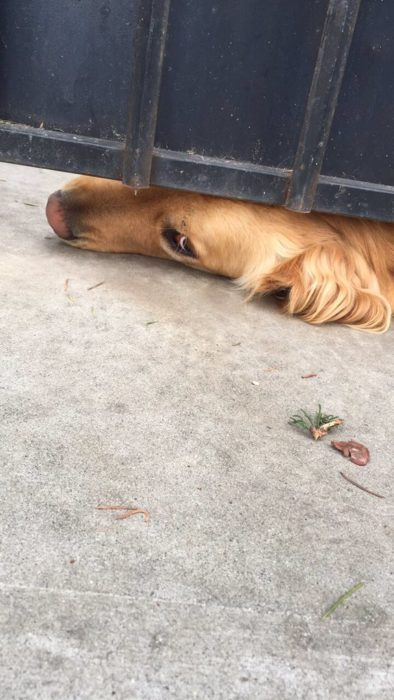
x=29, y=204
x=150, y=323
x=342, y=599
x=318, y=424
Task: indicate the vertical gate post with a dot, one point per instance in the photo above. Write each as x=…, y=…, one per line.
x=147, y=62
x=322, y=100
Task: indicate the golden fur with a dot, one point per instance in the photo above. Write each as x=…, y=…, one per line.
x=333, y=268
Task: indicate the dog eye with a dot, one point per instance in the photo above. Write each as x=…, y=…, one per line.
x=282, y=293
x=179, y=242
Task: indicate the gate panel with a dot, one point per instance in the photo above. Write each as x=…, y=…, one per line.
x=247, y=102
x=65, y=66
x=361, y=146
x=236, y=78
x=358, y=171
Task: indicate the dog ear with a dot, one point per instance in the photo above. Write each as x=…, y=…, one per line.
x=331, y=283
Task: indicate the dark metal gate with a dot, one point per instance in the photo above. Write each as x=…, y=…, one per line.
x=287, y=102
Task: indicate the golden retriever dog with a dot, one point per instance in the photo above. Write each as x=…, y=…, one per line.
x=322, y=267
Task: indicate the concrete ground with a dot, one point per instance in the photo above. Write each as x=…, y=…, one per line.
x=161, y=389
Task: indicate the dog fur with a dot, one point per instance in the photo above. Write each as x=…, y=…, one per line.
x=328, y=268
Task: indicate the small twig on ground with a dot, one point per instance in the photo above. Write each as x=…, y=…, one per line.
x=150, y=323
x=94, y=286
x=363, y=488
x=29, y=204
x=309, y=376
x=70, y=298
x=128, y=511
x=342, y=600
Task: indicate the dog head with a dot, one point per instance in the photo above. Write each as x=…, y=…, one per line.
x=324, y=273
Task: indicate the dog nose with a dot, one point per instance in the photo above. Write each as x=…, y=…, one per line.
x=56, y=215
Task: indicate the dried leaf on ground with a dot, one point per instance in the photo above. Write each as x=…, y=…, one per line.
x=355, y=451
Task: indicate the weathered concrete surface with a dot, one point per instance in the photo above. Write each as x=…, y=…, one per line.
x=253, y=532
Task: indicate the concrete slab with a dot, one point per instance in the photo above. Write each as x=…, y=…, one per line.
x=253, y=532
